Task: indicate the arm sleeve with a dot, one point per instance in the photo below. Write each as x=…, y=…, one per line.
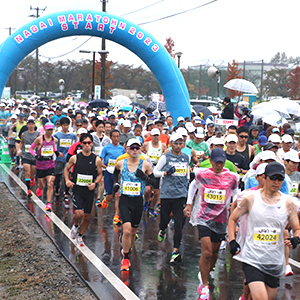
x=191, y=192
x=116, y=175
x=68, y=157
x=160, y=164
x=33, y=146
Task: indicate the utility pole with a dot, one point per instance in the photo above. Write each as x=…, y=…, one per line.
x=261, y=80
x=103, y=57
x=37, y=15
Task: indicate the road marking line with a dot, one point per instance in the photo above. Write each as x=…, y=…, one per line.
x=90, y=255
x=294, y=262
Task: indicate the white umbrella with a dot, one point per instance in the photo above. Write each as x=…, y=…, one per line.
x=272, y=106
x=291, y=106
x=121, y=100
x=241, y=85
x=262, y=112
x=272, y=119
x=243, y=103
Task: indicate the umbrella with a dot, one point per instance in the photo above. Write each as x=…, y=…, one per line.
x=271, y=106
x=82, y=103
x=126, y=108
x=139, y=105
x=241, y=85
x=153, y=105
x=272, y=119
x=98, y=103
x=242, y=103
x=204, y=110
x=291, y=106
x=121, y=100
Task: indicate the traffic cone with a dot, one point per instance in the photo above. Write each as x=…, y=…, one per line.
x=5, y=158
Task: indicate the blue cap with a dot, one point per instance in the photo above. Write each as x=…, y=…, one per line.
x=245, y=109
x=139, y=111
x=218, y=155
x=21, y=115
x=203, y=122
x=262, y=140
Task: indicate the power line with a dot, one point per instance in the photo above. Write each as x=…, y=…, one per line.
x=67, y=52
x=179, y=13
x=61, y=44
x=129, y=13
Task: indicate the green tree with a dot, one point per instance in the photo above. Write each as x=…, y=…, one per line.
x=233, y=72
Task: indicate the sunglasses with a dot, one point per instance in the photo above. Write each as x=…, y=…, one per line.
x=275, y=177
x=177, y=143
x=78, y=125
x=135, y=148
x=243, y=136
x=87, y=143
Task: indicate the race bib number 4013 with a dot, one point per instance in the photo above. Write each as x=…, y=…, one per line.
x=214, y=196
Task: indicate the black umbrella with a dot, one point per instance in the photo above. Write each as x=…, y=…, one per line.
x=153, y=106
x=98, y=103
x=203, y=110
x=137, y=104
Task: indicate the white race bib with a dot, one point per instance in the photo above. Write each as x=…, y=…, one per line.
x=47, y=151
x=98, y=151
x=181, y=169
x=266, y=236
x=27, y=148
x=65, y=143
x=294, y=190
x=84, y=180
x=131, y=188
x=214, y=196
x=154, y=157
x=13, y=134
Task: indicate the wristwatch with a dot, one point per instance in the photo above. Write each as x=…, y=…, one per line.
x=241, y=170
x=96, y=184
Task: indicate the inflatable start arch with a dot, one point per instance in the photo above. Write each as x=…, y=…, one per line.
x=94, y=23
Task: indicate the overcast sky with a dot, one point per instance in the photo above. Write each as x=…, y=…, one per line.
x=218, y=32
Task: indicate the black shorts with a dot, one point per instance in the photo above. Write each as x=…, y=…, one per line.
x=215, y=237
x=131, y=209
x=253, y=274
x=44, y=173
x=84, y=202
x=11, y=146
x=28, y=162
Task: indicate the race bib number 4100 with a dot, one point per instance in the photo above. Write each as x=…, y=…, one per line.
x=214, y=196
x=131, y=188
x=266, y=236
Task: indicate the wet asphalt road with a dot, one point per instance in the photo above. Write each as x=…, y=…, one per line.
x=151, y=276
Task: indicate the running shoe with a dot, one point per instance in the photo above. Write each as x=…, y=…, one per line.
x=204, y=293
x=29, y=194
x=104, y=203
x=48, y=207
x=136, y=237
x=242, y=297
x=288, y=271
x=161, y=236
x=67, y=204
x=39, y=192
x=125, y=277
x=80, y=241
x=200, y=283
x=152, y=213
x=32, y=181
x=98, y=203
x=158, y=207
x=73, y=231
x=13, y=163
x=176, y=257
x=172, y=223
x=145, y=206
x=117, y=220
x=125, y=264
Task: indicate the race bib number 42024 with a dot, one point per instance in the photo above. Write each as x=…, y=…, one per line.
x=266, y=236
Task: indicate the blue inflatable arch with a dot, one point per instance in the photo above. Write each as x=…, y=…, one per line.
x=94, y=23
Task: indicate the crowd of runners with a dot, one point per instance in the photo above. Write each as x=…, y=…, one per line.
x=238, y=184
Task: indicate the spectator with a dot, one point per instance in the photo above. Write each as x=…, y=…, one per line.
x=227, y=112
